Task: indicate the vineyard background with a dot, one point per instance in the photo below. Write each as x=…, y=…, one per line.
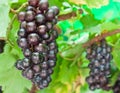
x=79, y=22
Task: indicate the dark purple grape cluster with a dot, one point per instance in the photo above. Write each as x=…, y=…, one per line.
x=2, y=44
x=116, y=87
x=99, y=55
x=37, y=39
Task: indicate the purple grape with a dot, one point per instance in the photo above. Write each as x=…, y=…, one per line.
x=33, y=2
x=40, y=19
x=21, y=16
x=22, y=42
x=29, y=15
x=43, y=5
x=42, y=29
x=31, y=27
x=56, y=10
x=33, y=39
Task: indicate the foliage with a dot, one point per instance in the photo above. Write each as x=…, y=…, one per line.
x=71, y=69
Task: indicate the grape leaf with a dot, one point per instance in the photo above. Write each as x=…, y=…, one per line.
x=116, y=54
x=67, y=74
x=96, y=4
x=116, y=0
x=10, y=78
x=109, y=26
x=14, y=1
x=91, y=3
x=4, y=17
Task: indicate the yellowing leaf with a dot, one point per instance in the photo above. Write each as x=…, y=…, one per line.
x=91, y=3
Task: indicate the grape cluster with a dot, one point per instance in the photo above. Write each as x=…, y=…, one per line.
x=2, y=44
x=99, y=55
x=116, y=87
x=37, y=39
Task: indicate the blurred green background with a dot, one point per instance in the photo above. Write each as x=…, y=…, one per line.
x=98, y=16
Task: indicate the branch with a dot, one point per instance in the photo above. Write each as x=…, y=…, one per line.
x=100, y=37
x=33, y=89
x=2, y=38
x=67, y=16
x=13, y=11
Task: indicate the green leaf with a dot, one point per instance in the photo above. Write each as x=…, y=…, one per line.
x=73, y=51
x=96, y=3
x=109, y=26
x=116, y=0
x=4, y=17
x=116, y=54
x=10, y=78
x=89, y=21
x=66, y=4
x=56, y=2
x=14, y=1
x=67, y=74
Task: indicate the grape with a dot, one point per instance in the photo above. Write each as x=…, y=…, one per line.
x=42, y=29
x=22, y=42
x=49, y=25
x=43, y=5
x=56, y=10
x=44, y=65
x=50, y=71
x=116, y=86
x=40, y=19
x=45, y=36
x=22, y=32
x=54, y=21
x=28, y=73
x=21, y=16
x=31, y=27
x=37, y=78
x=33, y=2
x=33, y=39
x=27, y=52
x=55, y=33
x=37, y=40
x=19, y=65
x=39, y=48
x=50, y=15
x=45, y=83
x=43, y=73
x=30, y=8
x=35, y=57
x=29, y=15
x=36, y=68
x=51, y=63
x=23, y=25
x=26, y=62
x=52, y=46
x=99, y=57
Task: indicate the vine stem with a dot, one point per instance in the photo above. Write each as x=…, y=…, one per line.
x=33, y=89
x=12, y=21
x=100, y=37
x=2, y=38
